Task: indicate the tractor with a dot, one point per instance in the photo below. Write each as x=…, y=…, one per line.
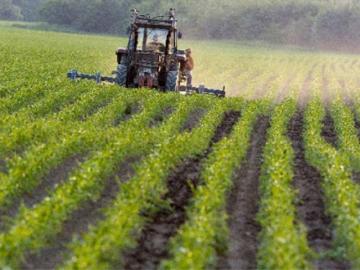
x=152, y=58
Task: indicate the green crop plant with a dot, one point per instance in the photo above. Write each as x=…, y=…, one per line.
x=282, y=243
x=194, y=247
x=341, y=194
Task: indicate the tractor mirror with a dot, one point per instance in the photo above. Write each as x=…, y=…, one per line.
x=179, y=35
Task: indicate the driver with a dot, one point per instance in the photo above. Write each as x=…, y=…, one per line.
x=155, y=45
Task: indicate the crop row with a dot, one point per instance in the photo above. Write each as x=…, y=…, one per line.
x=282, y=242
x=196, y=243
x=34, y=226
x=341, y=194
x=348, y=140
x=104, y=242
x=25, y=172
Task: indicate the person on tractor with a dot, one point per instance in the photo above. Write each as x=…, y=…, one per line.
x=155, y=45
x=186, y=68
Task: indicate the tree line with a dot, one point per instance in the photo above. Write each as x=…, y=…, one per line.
x=327, y=23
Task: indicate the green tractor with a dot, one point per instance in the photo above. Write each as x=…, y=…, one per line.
x=152, y=58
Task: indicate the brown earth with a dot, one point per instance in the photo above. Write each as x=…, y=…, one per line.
x=242, y=206
x=193, y=119
x=310, y=200
x=328, y=132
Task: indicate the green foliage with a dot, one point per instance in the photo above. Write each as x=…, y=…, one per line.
x=341, y=194
x=205, y=231
x=282, y=242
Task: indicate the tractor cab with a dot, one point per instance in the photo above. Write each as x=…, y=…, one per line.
x=151, y=54
x=152, y=40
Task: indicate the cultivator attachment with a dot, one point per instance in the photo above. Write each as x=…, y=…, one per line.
x=202, y=90
x=74, y=75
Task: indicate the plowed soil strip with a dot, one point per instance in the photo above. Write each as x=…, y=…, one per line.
x=193, y=119
x=328, y=132
x=130, y=111
x=310, y=206
x=79, y=222
x=158, y=119
x=152, y=245
x=242, y=206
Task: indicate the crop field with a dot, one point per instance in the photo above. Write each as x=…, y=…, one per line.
x=100, y=177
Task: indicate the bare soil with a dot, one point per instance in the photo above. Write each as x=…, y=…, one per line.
x=152, y=244
x=242, y=206
x=158, y=119
x=193, y=119
x=310, y=204
x=328, y=132
x=79, y=222
x=129, y=112
x=95, y=109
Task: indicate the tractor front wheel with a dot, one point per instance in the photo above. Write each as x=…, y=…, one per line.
x=171, y=80
x=121, y=74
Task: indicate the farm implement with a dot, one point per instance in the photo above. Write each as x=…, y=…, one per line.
x=151, y=59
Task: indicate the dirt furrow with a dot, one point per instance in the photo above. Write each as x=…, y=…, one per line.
x=328, y=132
x=152, y=245
x=158, y=119
x=242, y=206
x=130, y=111
x=79, y=222
x=310, y=205
x=193, y=119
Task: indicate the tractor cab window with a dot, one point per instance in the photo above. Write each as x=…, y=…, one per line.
x=152, y=39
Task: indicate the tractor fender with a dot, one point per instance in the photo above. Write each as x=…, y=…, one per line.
x=120, y=52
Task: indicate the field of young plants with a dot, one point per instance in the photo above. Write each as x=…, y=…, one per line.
x=100, y=177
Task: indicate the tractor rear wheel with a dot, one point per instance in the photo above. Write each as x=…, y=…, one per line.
x=171, y=80
x=121, y=74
